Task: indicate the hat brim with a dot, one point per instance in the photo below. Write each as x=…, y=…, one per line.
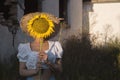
x=27, y=17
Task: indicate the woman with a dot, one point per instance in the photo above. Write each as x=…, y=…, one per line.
x=40, y=59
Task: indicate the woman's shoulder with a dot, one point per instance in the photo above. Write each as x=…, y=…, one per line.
x=23, y=45
x=56, y=42
x=22, y=52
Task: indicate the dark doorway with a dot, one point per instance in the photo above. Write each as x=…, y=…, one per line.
x=31, y=6
x=63, y=9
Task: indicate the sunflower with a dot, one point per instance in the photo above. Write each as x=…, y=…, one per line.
x=40, y=26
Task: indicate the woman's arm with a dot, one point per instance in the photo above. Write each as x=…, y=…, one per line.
x=57, y=67
x=24, y=72
x=58, y=64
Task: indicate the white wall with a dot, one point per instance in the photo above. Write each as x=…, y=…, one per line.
x=75, y=15
x=51, y=6
x=104, y=21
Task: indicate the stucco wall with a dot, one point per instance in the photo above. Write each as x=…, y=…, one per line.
x=75, y=16
x=104, y=21
x=51, y=6
x=6, y=48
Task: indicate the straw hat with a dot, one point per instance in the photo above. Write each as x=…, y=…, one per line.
x=38, y=24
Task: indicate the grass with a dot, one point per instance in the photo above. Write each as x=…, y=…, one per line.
x=82, y=61
x=9, y=70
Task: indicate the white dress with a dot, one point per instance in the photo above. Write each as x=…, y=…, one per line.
x=25, y=54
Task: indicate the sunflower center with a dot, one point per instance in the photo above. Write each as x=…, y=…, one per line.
x=40, y=25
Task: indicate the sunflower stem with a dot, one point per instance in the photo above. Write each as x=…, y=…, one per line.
x=41, y=43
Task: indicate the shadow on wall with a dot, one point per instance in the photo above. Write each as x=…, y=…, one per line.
x=8, y=60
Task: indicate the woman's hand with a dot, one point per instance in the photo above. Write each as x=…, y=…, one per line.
x=38, y=65
x=43, y=56
x=57, y=21
x=28, y=72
